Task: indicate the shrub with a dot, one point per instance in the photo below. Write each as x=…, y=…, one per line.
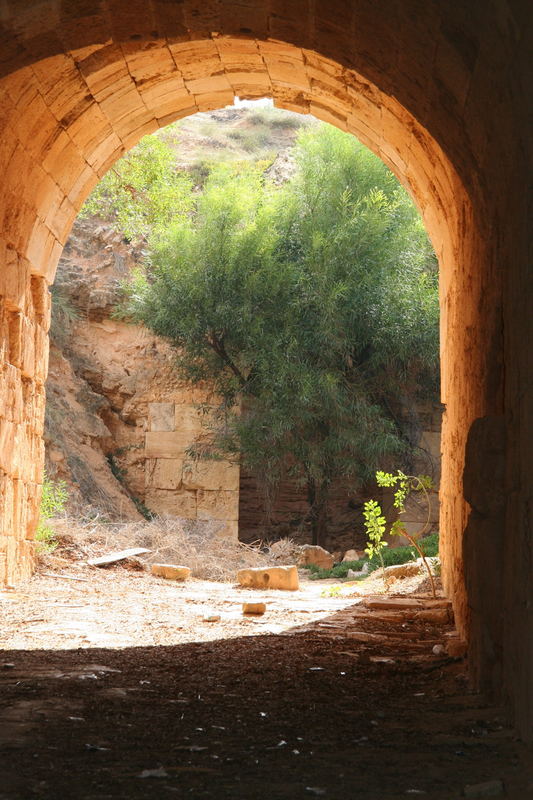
x=53, y=501
x=391, y=557
x=375, y=522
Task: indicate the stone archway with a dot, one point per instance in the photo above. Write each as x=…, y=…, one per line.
x=419, y=84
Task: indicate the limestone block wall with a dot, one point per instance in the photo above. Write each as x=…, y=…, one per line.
x=179, y=486
x=24, y=321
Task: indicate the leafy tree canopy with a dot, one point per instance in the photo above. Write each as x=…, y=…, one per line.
x=310, y=308
x=143, y=192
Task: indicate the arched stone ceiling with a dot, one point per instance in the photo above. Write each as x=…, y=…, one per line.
x=437, y=88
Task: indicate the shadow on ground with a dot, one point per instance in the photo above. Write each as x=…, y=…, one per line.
x=316, y=712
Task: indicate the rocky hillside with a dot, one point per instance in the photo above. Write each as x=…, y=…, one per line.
x=108, y=379
x=104, y=373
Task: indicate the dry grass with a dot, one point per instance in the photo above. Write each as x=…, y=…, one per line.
x=190, y=543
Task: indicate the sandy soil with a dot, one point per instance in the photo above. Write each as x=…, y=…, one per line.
x=118, y=607
x=116, y=686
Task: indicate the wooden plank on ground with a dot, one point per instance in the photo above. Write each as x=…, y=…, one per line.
x=118, y=555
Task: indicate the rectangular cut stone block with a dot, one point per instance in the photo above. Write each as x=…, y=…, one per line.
x=15, y=338
x=41, y=354
x=7, y=444
x=149, y=63
x=253, y=608
x=211, y=475
x=217, y=504
x=41, y=300
x=196, y=59
x=28, y=348
x=174, y=503
x=161, y=416
x=165, y=473
x=211, y=101
x=269, y=578
x=14, y=280
x=189, y=417
x=171, y=572
x=166, y=444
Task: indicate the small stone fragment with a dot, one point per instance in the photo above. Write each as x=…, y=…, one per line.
x=487, y=789
x=438, y=650
x=253, y=608
x=269, y=578
x=172, y=572
x=211, y=617
x=160, y=772
x=354, y=574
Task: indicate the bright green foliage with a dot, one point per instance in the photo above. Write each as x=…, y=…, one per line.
x=143, y=192
x=391, y=556
x=308, y=307
x=372, y=511
x=53, y=501
x=375, y=528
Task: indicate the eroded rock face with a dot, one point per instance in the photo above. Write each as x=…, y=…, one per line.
x=118, y=420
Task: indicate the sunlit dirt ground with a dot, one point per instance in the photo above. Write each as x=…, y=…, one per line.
x=121, y=685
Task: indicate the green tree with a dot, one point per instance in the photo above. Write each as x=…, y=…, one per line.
x=308, y=308
x=143, y=192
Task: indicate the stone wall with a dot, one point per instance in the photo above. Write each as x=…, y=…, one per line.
x=175, y=484
x=119, y=420
x=24, y=320
x=440, y=90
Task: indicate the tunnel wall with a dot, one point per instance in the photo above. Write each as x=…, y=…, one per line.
x=440, y=90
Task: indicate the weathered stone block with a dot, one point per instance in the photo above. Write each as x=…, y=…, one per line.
x=269, y=578
x=211, y=475
x=253, y=608
x=165, y=473
x=161, y=416
x=217, y=504
x=352, y=555
x=166, y=444
x=171, y=572
x=189, y=417
x=174, y=503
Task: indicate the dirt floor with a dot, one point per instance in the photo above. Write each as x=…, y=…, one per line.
x=122, y=685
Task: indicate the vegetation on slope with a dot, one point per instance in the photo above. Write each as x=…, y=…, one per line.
x=310, y=306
